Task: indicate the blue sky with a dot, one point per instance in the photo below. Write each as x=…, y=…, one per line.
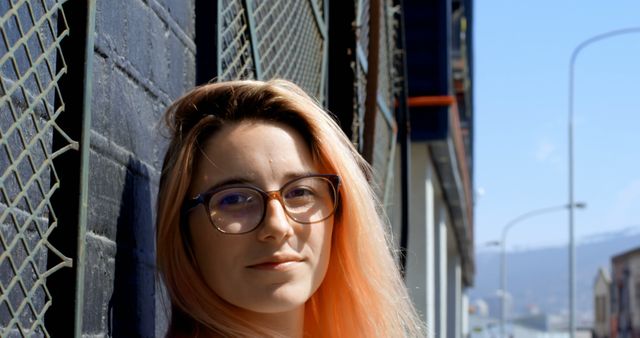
x=522, y=50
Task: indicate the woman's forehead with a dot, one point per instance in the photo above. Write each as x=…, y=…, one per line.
x=263, y=152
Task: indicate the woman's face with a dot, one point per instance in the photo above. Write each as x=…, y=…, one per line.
x=279, y=265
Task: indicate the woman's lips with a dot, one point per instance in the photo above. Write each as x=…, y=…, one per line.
x=280, y=266
x=277, y=264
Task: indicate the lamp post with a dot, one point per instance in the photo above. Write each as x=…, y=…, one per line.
x=572, y=249
x=503, y=263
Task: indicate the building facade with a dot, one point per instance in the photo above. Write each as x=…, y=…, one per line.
x=440, y=261
x=617, y=297
x=625, y=295
x=84, y=85
x=602, y=305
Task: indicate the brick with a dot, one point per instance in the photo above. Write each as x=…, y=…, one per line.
x=180, y=60
x=127, y=115
x=158, y=59
x=110, y=26
x=190, y=70
x=106, y=188
x=98, y=283
x=138, y=36
x=182, y=12
x=101, y=104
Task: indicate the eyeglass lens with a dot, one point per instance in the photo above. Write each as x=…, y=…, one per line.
x=241, y=209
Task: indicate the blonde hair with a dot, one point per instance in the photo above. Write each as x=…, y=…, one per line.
x=362, y=293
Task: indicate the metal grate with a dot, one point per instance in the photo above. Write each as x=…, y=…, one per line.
x=320, y=5
x=357, y=127
x=385, y=62
x=274, y=39
x=385, y=127
x=360, y=69
x=362, y=25
x=381, y=151
x=235, y=44
x=290, y=43
x=31, y=65
x=396, y=58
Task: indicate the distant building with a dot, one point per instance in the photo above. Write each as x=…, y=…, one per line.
x=542, y=322
x=484, y=327
x=479, y=308
x=495, y=304
x=625, y=295
x=538, y=322
x=602, y=303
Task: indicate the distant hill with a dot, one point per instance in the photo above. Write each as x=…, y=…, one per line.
x=540, y=277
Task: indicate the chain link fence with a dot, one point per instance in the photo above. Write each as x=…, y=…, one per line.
x=31, y=64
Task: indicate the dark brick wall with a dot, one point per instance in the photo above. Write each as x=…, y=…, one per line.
x=144, y=58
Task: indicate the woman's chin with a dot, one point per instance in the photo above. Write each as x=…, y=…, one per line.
x=283, y=299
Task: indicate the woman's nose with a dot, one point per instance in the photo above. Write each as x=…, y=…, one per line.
x=276, y=224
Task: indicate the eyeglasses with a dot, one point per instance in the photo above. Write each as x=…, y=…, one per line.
x=241, y=209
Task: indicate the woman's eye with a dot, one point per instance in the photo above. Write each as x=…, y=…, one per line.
x=299, y=192
x=232, y=200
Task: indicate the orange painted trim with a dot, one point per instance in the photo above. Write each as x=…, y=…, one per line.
x=427, y=101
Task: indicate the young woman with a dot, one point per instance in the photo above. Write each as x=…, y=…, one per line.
x=266, y=224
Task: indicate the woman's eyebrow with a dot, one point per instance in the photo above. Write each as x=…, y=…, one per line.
x=296, y=174
x=230, y=181
x=289, y=176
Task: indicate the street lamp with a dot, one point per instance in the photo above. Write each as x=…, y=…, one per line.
x=571, y=205
x=503, y=244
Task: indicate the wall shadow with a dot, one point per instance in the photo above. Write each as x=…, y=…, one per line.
x=132, y=304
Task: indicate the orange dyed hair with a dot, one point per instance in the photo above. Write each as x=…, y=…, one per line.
x=362, y=294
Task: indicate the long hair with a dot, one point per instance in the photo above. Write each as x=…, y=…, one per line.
x=362, y=293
